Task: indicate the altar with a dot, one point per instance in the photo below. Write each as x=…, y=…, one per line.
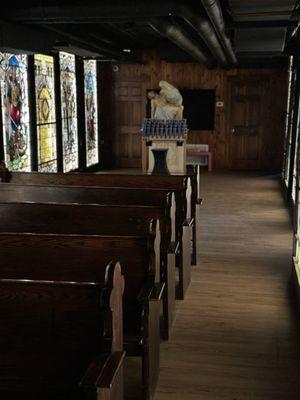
x=167, y=135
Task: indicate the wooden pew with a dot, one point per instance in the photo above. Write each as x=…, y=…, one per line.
x=90, y=195
x=95, y=219
x=52, y=337
x=179, y=184
x=80, y=259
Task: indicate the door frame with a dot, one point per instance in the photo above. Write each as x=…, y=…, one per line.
x=247, y=80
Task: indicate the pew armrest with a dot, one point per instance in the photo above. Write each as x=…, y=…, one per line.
x=188, y=222
x=199, y=202
x=174, y=247
x=153, y=291
x=103, y=372
x=157, y=292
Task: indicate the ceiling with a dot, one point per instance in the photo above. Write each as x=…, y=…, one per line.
x=212, y=32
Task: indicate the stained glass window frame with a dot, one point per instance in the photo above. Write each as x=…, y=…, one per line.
x=45, y=84
x=91, y=112
x=70, y=139
x=289, y=114
x=16, y=126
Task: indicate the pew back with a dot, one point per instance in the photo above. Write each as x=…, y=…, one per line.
x=77, y=258
x=86, y=195
x=127, y=216
x=85, y=220
x=47, y=347
x=176, y=183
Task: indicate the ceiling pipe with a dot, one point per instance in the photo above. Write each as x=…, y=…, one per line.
x=130, y=9
x=214, y=12
x=205, y=30
x=179, y=37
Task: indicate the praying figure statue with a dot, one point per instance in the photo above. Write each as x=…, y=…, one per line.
x=167, y=104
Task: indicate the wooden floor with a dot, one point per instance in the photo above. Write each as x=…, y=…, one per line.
x=236, y=336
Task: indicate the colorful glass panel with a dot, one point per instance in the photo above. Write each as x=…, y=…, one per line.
x=69, y=111
x=91, y=112
x=15, y=111
x=45, y=111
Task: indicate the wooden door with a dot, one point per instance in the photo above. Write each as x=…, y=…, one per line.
x=130, y=111
x=245, y=124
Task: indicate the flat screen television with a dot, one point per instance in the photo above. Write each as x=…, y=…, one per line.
x=199, y=108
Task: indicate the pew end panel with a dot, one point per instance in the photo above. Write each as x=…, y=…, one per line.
x=151, y=364
x=113, y=299
x=185, y=268
x=170, y=287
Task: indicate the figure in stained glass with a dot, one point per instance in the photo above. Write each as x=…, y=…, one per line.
x=69, y=111
x=91, y=110
x=15, y=111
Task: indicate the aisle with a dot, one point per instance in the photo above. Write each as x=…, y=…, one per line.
x=235, y=336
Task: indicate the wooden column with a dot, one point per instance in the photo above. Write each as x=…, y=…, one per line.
x=32, y=115
x=294, y=131
x=80, y=113
x=289, y=121
x=59, y=141
x=106, y=115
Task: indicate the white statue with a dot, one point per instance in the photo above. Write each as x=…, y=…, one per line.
x=167, y=104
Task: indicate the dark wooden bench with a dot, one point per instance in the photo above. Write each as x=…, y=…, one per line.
x=181, y=185
x=52, y=337
x=80, y=259
x=97, y=219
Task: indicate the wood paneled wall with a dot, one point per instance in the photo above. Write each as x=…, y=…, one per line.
x=195, y=76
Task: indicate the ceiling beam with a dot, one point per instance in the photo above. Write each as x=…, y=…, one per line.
x=89, y=43
x=27, y=39
x=261, y=24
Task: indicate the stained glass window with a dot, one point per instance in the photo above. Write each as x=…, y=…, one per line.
x=69, y=111
x=15, y=111
x=91, y=112
x=45, y=110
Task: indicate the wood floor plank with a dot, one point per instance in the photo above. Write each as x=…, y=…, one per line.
x=236, y=336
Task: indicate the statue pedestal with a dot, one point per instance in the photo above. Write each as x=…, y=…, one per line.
x=175, y=157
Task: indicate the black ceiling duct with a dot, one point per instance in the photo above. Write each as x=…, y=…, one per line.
x=204, y=28
x=179, y=37
x=214, y=12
